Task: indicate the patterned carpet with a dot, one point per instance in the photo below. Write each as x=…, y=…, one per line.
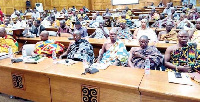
x=6, y=98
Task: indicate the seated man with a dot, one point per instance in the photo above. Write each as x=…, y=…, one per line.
x=82, y=14
x=182, y=57
x=79, y=49
x=46, y=46
x=124, y=32
x=113, y=52
x=169, y=34
x=138, y=55
x=7, y=41
x=184, y=23
x=101, y=32
x=99, y=18
x=94, y=23
x=81, y=29
x=63, y=28
x=38, y=28
x=195, y=34
x=29, y=29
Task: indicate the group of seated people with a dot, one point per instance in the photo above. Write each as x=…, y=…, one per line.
x=183, y=56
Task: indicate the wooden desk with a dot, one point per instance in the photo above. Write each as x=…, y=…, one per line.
x=155, y=87
x=30, y=83
x=115, y=84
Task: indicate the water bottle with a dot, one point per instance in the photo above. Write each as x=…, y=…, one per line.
x=10, y=53
x=24, y=54
x=54, y=55
x=193, y=17
x=147, y=66
x=112, y=24
x=85, y=63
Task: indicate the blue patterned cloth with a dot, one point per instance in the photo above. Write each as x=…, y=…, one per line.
x=81, y=49
x=116, y=52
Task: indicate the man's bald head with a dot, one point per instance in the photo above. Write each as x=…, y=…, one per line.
x=183, y=32
x=44, y=35
x=2, y=32
x=183, y=37
x=143, y=41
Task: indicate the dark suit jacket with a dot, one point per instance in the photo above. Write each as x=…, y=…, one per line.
x=35, y=30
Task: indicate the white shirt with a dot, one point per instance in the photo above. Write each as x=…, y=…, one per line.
x=149, y=33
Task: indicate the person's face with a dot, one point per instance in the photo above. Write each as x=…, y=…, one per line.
x=100, y=25
x=74, y=13
x=78, y=26
x=143, y=23
x=81, y=12
x=190, y=6
x=182, y=17
x=62, y=25
x=97, y=13
x=30, y=22
x=2, y=33
x=37, y=24
x=197, y=25
x=77, y=37
x=66, y=17
x=183, y=38
x=43, y=37
x=143, y=43
x=113, y=36
x=122, y=25
x=169, y=27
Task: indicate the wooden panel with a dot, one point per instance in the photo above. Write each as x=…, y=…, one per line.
x=32, y=84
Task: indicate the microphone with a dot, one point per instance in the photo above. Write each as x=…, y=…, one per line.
x=20, y=50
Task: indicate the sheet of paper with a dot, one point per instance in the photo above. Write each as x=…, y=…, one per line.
x=185, y=80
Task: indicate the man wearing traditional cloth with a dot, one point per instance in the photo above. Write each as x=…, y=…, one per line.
x=7, y=41
x=183, y=57
x=46, y=46
x=113, y=52
x=138, y=55
x=79, y=49
x=169, y=34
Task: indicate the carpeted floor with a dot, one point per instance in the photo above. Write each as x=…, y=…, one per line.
x=6, y=98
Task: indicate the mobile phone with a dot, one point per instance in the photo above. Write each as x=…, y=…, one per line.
x=178, y=75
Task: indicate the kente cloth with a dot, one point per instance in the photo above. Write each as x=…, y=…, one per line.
x=171, y=36
x=7, y=41
x=124, y=33
x=188, y=55
x=196, y=36
x=47, y=47
x=155, y=57
x=80, y=50
x=116, y=52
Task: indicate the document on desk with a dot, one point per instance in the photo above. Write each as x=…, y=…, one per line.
x=3, y=55
x=185, y=80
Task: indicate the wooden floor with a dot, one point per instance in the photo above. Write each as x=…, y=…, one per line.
x=6, y=98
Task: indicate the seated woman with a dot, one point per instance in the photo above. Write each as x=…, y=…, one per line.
x=138, y=55
x=113, y=52
x=7, y=41
x=46, y=46
x=79, y=49
x=145, y=30
x=100, y=32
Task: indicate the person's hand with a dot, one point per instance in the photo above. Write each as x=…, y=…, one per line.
x=185, y=68
x=60, y=57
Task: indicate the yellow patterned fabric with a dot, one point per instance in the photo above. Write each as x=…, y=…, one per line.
x=56, y=23
x=129, y=12
x=171, y=36
x=196, y=36
x=6, y=42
